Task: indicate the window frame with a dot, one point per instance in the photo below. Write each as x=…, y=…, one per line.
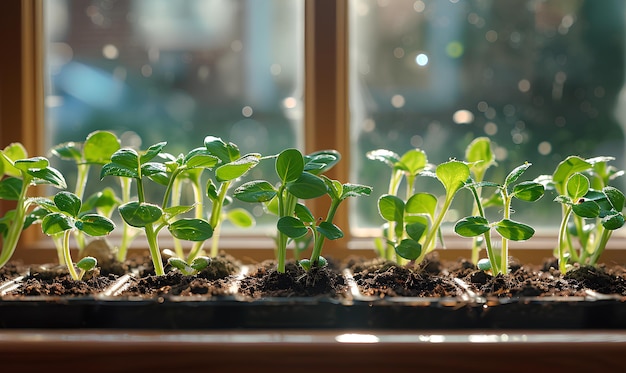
x=326, y=112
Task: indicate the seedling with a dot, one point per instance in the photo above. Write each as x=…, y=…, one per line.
x=64, y=217
x=591, y=209
x=304, y=221
x=196, y=265
x=96, y=150
x=480, y=157
x=477, y=225
x=128, y=163
x=407, y=167
x=229, y=166
x=19, y=173
x=417, y=222
x=299, y=178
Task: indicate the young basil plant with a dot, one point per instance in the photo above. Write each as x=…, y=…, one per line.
x=508, y=229
x=19, y=173
x=63, y=218
x=299, y=179
x=407, y=167
x=95, y=150
x=128, y=163
x=304, y=221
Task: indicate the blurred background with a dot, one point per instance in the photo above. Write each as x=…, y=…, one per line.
x=541, y=78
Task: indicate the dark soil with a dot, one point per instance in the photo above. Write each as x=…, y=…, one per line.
x=383, y=278
x=377, y=277
x=435, y=279
x=266, y=281
x=216, y=279
x=56, y=281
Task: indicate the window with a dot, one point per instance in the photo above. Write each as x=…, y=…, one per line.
x=177, y=71
x=541, y=78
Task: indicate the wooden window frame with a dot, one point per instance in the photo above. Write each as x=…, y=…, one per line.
x=326, y=112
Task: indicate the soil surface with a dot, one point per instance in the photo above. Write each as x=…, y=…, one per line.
x=434, y=278
x=377, y=277
x=266, y=281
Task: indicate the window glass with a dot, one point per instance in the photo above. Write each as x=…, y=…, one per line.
x=175, y=71
x=541, y=78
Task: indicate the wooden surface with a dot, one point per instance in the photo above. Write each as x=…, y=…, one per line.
x=321, y=351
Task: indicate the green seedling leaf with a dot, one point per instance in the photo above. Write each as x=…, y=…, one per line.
x=383, y=155
x=200, y=158
x=453, y=175
x=173, y=211
x=238, y=168
x=568, y=167
x=291, y=227
x=191, y=229
x=303, y=213
x=615, y=196
x=515, y=174
x=126, y=158
x=529, y=191
x=152, y=168
x=152, y=152
x=321, y=161
x=44, y=203
x=240, y=218
x=113, y=169
x=34, y=163
x=307, y=186
x=409, y=249
x=586, y=209
x=305, y=264
x=48, y=175
x=289, y=165
x=412, y=162
x=87, y=263
x=10, y=154
x=95, y=225
x=334, y=187
x=479, y=154
x=68, y=203
x=255, y=191
x=416, y=230
x=271, y=206
x=211, y=191
x=225, y=152
x=68, y=151
x=330, y=230
x=55, y=223
x=422, y=203
x=35, y=216
x=391, y=208
x=180, y=264
x=10, y=188
x=484, y=264
x=513, y=230
x=139, y=215
x=100, y=146
x=355, y=190
x=613, y=221
x=200, y=263
x=104, y=202
x=577, y=186
x=472, y=226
